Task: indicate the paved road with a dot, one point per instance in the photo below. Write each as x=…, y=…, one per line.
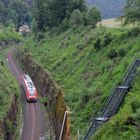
x=34, y=123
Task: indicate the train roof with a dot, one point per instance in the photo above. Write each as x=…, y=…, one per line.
x=29, y=83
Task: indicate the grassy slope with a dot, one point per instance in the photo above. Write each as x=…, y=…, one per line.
x=8, y=85
x=126, y=124
x=85, y=74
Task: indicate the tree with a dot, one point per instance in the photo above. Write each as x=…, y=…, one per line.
x=132, y=11
x=56, y=11
x=73, y=5
x=21, y=10
x=76, y=18
x=2, y=9
x=6, y=2
x=93, y=16
x=40, y=15
x=51, y=13
x=12, y=16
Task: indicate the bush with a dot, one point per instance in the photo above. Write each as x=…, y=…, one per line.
x=135, y=105
x=80, y=46
x=134, y=32
x=98, y=44
x=107, y=39
x=112, y=54
x=136, y=115
x=40, y=36
x=122, y=52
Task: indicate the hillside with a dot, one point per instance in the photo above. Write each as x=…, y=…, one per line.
x=86, y=63
x=108, y=8
x=8, y=91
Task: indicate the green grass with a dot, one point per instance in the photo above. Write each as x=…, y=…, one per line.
x=86, y=74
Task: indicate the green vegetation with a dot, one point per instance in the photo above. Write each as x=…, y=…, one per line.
x=14, y=13
x=59, y=16
x=86, y=63
x=8, y=86
x=132, y=11
x=126, y=124
x=9, y=36
x=93, y=16
x=84, y=60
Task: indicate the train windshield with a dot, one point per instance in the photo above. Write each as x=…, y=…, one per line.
x=32, y=93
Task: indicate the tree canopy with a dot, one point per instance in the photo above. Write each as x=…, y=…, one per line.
x=132, y=11
x=51, y=13
x=14, y=11
x=93, y=16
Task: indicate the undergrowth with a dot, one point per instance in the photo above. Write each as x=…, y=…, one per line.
x=8, y=85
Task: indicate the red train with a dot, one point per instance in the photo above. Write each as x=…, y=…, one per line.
x=29, y=89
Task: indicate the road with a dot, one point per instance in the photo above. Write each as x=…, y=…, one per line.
x=34, y=126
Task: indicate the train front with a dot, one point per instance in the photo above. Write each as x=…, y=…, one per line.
x=32, y=97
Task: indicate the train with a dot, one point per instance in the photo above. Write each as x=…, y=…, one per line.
x=29, y=88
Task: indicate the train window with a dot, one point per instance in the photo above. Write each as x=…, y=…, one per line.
x=31, y=93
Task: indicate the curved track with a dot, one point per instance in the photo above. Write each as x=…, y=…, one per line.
x=34, y=126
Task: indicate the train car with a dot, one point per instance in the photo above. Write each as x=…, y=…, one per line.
x=29, y=88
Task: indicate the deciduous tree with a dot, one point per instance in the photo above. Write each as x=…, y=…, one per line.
x=132, y=11
x=93, y=16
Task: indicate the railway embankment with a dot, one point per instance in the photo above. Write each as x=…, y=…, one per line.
x=9, y=124
x=9, y=102
x=51, y=94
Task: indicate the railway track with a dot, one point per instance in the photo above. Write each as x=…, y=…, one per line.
x=33, y=131
x=34, y=127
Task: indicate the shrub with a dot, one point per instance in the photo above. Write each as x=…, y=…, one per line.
x=112, y=54
x=136, y=115
x=122, y=52
x=80, y=46
x=135, y=105
x=134, y=32
x=98, y=44
x=107, y=39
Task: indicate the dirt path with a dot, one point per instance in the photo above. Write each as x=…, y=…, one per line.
x=34, y=125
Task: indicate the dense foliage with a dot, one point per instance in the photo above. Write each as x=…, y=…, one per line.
x=132, y=11
x=53, y=12
x=61, y=15
x=9, y=36
x=14, y=12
